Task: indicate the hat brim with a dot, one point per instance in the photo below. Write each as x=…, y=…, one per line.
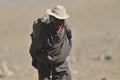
x=49, y=12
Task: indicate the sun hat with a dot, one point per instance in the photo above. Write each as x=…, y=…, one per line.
x=58, y=12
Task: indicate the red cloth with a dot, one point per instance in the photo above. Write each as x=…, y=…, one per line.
x=59, y=32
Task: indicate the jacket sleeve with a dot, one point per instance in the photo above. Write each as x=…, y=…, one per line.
x=69, y=35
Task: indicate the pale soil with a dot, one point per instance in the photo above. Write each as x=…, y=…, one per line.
x=96, y=38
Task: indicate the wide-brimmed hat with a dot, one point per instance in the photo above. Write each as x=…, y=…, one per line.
x=58, y=12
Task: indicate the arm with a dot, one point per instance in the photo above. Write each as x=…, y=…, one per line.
x=69, y=35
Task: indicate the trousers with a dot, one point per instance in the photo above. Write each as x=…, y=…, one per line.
x=59, y=71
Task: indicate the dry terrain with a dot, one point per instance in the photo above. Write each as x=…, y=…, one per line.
x=95, y=24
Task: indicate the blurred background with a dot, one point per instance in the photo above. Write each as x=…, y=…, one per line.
x=95, y=24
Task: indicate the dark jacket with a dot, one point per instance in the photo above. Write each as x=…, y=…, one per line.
x=44, y=49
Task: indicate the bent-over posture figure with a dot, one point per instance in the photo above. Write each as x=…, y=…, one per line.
x=51, y=44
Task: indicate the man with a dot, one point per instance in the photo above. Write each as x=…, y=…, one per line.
x=51, y=44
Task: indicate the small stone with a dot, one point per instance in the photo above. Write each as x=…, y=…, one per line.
x=103, y=57
x=108, y=57
x=5, y=70
x=9, y=73
x=103, y=79
x=75, y=72
x=1, y=74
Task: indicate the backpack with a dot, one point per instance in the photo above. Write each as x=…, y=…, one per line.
x=39, y=37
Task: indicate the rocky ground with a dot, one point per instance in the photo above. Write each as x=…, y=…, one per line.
x=96, y=38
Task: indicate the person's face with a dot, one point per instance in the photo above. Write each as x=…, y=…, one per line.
x=56, y=22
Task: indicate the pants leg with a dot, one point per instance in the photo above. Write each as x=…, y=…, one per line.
x=61, y=71
x=44, y=71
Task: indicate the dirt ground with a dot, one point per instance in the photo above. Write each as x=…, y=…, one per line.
x=95, y=24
